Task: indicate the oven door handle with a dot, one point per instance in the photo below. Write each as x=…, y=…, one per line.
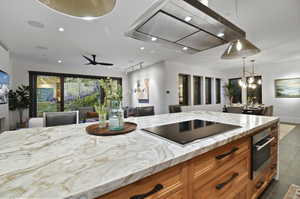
x=259, y=147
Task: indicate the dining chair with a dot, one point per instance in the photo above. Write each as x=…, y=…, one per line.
x=83, y=112
x=60, y=118
x=268, y=111
x=175, y=109
x=144, y=111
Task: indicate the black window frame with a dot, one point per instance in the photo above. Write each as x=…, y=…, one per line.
x=258, y=90
x=218, y=90
x=33, y=80
x=208, y=91
x=238, y=97
x=198, y=90
x=186, y=87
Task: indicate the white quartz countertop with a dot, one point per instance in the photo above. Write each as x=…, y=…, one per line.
x=66, y=162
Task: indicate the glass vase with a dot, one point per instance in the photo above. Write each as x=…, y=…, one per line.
x=102, y=120
x=116, y=116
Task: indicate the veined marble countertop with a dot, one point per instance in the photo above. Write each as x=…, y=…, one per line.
x=66, y=162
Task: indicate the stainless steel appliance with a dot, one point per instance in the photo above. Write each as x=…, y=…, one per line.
x=189, y=131
x=261, y=151
x=185, y=25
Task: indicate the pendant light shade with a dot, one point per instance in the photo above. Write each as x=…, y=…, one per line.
x=240, y=48
x=86, y=9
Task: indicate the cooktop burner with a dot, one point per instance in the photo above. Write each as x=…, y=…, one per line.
x=189, y=131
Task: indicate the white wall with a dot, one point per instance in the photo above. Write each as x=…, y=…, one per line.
x=285, y=108
x=21, y=66
x=156, y=75
x=6, y=67
x=163, y=77
x=174, y=69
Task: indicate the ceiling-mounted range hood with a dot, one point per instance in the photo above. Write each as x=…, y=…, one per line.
x=185, y=25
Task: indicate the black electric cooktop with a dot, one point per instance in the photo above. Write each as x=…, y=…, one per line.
x=189, y=131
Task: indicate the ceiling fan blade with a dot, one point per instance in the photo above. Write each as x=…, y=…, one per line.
x=87, y=64
x=105, y=64
x=87, y=58
x=94, y=58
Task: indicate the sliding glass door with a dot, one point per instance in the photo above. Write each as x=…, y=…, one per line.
x=80, y=92
x=48, y=94
x=52, y=92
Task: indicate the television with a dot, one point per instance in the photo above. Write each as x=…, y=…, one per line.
x=4, y=84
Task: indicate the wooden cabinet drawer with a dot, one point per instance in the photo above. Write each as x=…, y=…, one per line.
x=260, y=183
x=170, y=183
x=228, y=185
x=216, y=162
x=177, y=195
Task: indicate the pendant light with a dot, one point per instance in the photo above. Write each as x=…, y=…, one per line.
x=240, y=48
x=243, y=80
x=85, y=9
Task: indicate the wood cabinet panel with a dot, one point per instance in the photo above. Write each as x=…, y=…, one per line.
x=227, y=185
x=243, y=194
x=170, y=183
x=210, y=165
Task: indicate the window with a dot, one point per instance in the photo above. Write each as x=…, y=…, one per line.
x=183, y=86
x=197, y=90
x=255, y=95
x=208, y=92
x=237, y=97
x=48, y=94
x=51, y=92
x=218, y=91
x=80, y=92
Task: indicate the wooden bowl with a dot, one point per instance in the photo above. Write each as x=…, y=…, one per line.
x=94, y=129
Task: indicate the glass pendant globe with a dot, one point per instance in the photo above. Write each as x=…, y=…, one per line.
x=251, y=80
x=259, y=82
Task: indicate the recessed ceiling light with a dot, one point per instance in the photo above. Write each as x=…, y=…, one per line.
x=221, y=34
x=185, y=48
x=142, y=48
x=188, y=18
x=61, y=29
x=59, y=61
x=153, y=38
x=87, y=18
x=35, y=24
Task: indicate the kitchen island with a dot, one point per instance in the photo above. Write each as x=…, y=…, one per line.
x=65, y=162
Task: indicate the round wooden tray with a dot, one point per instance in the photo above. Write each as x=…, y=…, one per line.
x=94, y=129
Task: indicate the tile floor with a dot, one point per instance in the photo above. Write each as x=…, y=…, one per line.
x=289, y=161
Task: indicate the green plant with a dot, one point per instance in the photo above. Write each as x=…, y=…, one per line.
x=112, y=90
x=230, y=91
x=19, y=100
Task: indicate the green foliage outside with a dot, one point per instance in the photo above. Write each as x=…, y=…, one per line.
x=82, y=102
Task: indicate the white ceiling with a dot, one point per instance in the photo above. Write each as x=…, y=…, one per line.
x=273, y=25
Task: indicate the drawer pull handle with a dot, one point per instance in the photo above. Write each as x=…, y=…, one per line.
x=156, y=189
x=259, y=184
x=219, y=157
x=220, y=186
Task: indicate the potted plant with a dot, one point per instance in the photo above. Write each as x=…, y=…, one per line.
x=112, y=103
x=19, y=100
x=101, y=109
x=230, y=91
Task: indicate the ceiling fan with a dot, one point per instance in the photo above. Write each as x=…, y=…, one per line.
x=92, y=61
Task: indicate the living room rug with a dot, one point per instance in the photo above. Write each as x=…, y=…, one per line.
x=285, y=129
x=293, y=192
